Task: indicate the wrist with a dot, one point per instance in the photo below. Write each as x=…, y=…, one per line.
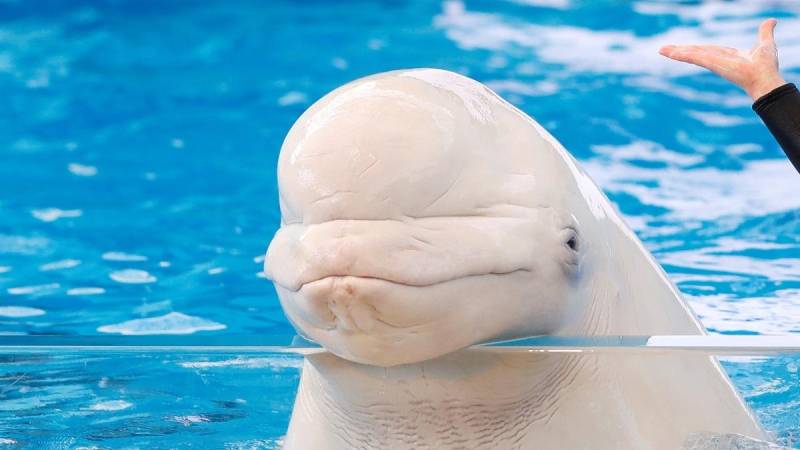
x=765, y=86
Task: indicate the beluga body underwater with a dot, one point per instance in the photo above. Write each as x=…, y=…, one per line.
x=423, y=214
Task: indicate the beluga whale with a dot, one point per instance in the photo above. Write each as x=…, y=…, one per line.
x=422, y=214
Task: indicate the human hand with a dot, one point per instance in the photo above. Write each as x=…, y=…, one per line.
x=755, y=71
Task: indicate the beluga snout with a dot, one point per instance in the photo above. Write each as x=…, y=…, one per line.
x=418, y=219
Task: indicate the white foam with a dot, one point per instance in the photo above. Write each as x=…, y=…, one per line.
x=53, y=214
x=4, y=269
x=743, y=149
x=111, y=405
x=703, y=12
x=293, y=98
x=247, y=363
x=172, y=323
x=23, y=245
x=37, y=289
x=189, y=420
x=59, y=265
x=686, y=193
x=556, y=4
x=710, y=258
x=729, y=99
x=122, y=256
x=763, y=315
x=132, y=276
x=642, y=150
x=81, y=170
x=612, y=51
x=257, y=443
x=715, y=119
x=86, y=291
x=20, y=311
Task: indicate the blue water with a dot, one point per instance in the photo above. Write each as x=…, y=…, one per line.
x=138, y=144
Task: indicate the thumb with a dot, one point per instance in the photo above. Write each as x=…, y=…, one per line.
x=766, y=32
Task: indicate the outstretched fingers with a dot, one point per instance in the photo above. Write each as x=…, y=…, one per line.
x=755, y=71
x=711, y=57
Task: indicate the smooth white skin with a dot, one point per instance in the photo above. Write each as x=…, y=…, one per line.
x=422, y=214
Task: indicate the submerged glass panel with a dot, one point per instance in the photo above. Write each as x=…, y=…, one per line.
x=713, y=345
x=238, y=392
x=146, y=400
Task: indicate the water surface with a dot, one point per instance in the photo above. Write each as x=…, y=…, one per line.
x=138, y=143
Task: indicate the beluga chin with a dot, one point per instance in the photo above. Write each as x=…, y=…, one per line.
x=422, y=214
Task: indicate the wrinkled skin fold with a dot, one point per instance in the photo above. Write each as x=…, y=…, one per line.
x=379, y=291
x=423, y=214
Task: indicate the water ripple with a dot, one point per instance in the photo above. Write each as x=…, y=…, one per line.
x=132, y=276
x=172, y=323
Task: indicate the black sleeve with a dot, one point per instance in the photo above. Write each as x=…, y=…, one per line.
x=780, y=111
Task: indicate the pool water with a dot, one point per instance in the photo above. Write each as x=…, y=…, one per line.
x=138, y=145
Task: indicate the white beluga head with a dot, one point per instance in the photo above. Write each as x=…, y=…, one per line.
x=422, y=214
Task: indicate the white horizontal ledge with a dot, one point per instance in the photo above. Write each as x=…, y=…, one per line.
x=719, y=345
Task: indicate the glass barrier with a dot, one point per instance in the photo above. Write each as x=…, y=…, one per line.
x=238, y=391
x=712, y=344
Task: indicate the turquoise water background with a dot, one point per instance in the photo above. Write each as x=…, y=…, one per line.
x=138, y=145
